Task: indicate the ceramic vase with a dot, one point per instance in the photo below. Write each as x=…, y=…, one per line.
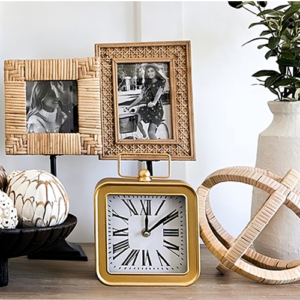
x=279, y=151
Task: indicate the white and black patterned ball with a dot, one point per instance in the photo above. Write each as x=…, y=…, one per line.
x=8, y=213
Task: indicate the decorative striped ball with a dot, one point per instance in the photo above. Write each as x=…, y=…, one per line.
x=39, y=197
x=3, y=179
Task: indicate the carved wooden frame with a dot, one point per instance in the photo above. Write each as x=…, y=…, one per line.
x=86, y=72
x=178, y=54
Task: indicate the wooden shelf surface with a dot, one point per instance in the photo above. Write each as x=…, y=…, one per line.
x=45, y=279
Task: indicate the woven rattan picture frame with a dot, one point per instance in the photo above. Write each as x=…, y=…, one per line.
x=125, y=77
x=82, y=73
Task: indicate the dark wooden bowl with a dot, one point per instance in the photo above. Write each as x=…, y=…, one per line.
x=26, y=241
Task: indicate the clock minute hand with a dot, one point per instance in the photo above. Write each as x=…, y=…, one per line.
x=146, y=223
x=172, y=215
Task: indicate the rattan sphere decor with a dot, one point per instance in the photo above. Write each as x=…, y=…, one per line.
x=235, y=254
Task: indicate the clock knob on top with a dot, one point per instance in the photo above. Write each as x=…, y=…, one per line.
x=144, y=175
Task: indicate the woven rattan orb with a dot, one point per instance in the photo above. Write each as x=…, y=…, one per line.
x=235, y=254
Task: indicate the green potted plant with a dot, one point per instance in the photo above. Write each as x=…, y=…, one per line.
x=278, y=147
x=280, y=37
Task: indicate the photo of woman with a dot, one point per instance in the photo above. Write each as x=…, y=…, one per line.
x=145, y=94
x=50, y=107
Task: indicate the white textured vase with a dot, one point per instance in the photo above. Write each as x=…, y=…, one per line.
x=279, y=151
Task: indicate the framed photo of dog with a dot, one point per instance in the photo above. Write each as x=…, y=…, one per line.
x=52, y=107
x=146, y=99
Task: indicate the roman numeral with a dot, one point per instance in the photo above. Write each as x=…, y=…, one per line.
x=162, y=259
x=120, y=247
x=115, y=214
x=146, y=207
x=171, y=247
x=146, y=258
x=171, y=232
x=171, y=216
x=132, y=257
x=159, y=208
x=131, y=207
x=120, y=232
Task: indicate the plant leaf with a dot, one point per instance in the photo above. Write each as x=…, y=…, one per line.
x=294, y=7
x=236, y=4
x=266, y=32
x=273, y=23
x=280, y=7
x=289, y=99
x=260, y=38
x=287, y=54
x=257, y=84
x=270, y=53
x=265, y=73
x=258, y=23
x=293, y=2
x=261, y=46
x=286, y=82
x=285, y=25
x=297, y=94
x=274, y=42
x=286, y=37
x=249, y=2
x=295, y=50
x=282, y=69
x=290, y=12
x=268, y=12
x=273, y=91
x=285, y=46
x=288, y=62
x=272, y=79
x=262, y=3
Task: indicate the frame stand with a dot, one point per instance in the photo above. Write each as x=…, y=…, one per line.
x=150, y=166
x=62, y=250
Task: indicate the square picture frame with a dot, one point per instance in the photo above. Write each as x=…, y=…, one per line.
x=19, y=140
x=124, y=79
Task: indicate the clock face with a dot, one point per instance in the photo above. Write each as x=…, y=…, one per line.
x=146, y=234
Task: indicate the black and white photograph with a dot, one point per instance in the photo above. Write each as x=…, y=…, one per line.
x=52, y=106
x=144, y=102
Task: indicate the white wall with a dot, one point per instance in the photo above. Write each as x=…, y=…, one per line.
x=229, y=112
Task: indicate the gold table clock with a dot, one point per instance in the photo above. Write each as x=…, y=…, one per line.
x=146, y=231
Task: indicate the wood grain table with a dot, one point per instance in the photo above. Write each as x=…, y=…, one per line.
x=44, y=279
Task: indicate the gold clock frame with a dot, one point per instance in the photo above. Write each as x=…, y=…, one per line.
x=121, y=186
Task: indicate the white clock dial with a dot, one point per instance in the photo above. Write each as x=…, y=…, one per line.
x=146, y=234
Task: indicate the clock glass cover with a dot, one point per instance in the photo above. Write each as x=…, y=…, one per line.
x=146, y=234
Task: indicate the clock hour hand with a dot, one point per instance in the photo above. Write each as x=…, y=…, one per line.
x=172, y=215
